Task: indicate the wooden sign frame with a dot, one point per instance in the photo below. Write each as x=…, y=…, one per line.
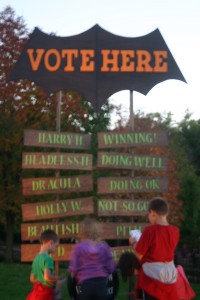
x=63, y=252
x=110, y=231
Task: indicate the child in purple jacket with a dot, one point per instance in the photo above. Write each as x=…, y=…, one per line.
x=91, y=263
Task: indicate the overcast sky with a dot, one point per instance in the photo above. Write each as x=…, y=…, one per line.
x=177, y=20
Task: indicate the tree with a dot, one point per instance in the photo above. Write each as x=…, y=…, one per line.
x=185, y=138
x=22, y=105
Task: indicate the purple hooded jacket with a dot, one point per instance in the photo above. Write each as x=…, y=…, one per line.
x=91, y=259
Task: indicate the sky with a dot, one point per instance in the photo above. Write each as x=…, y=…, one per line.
x=177, y=20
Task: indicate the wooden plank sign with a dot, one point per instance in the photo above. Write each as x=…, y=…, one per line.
x=63, y=252
x=57, y=209
x=114, y=185
x=118, y=251
x=115, y=231
x=54, y=185
x=131, y=139
x=32, y=231
x=122, y=207
x=56, y=161
x=114, y=160
x=112, y=231
x=55, y=139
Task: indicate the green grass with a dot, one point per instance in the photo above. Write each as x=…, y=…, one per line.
x=14, y=283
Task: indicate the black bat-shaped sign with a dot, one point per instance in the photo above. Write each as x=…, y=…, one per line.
x=96, y=63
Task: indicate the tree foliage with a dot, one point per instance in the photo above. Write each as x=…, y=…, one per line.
x=184, y=156
x=24, y=105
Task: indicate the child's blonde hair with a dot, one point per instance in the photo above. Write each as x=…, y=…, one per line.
x=92, y=229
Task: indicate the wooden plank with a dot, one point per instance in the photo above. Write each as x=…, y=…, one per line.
x=65, y=230
x=54, y=185
x=63, y=252
x=57, y=209
x=131, y=139
x=122, y=207
x=56, y=161
x=118, y=251
x=114, y=160
x=115, y=231
x=114, y=185
x=53, y=139
x=111, y=231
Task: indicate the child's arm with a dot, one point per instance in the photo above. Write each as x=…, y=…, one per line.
x=133, y=243
x=32, y=279
x=48, y=277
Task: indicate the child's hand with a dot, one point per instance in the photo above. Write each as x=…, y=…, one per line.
x=132, y=241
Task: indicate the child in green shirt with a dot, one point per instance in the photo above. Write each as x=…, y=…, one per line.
x=43, y=274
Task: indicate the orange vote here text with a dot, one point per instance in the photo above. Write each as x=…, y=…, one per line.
x=111, y=60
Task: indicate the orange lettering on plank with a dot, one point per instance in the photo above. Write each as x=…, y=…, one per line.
x=46, y=60
x=70, y=53
x=127, y=64
x=110, y=61
x=160, y=65
x=87, y=64
x=143, y=60
x=35, y=62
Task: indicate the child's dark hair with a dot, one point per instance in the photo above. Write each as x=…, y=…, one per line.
x=159, y=205
x=48, y=235
x=127, y=263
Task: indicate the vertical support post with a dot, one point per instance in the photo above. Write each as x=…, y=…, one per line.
x=131, y=112
x=58, y=111
x=58, y=122
x=131, y=129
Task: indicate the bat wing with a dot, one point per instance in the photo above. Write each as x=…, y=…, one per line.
x=110, y=83
x=45, y=62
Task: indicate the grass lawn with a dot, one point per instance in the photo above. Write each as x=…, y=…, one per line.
x=14, y=283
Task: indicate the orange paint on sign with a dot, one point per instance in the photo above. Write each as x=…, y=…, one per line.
x=112, y=60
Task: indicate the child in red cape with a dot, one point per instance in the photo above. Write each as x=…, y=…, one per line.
x=155, y=251
x=129, y=266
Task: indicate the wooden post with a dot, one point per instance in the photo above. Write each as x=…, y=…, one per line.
x=131, y=128
x=58, y=113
